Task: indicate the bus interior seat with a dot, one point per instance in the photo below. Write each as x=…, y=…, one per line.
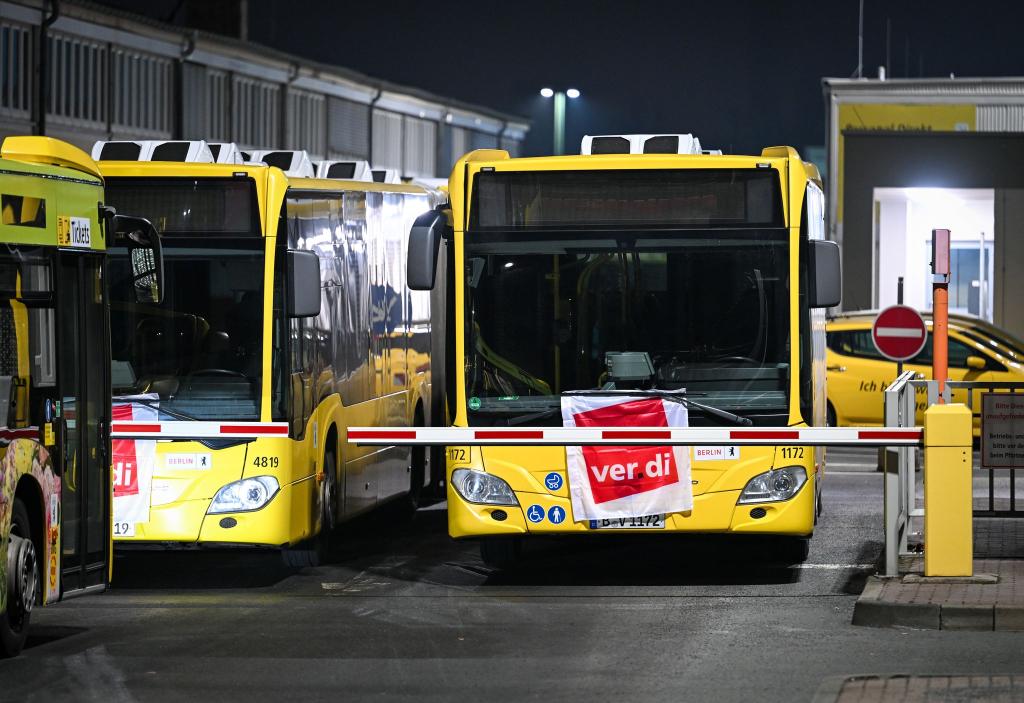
x=215, y=352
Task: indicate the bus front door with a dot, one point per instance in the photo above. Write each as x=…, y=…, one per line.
x=84, y=374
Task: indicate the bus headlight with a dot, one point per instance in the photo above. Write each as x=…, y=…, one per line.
x=773, y=486
x=480, y=487
x=245, y=495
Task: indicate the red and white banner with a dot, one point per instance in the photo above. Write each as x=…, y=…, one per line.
x=610, y=481
x=133, y=464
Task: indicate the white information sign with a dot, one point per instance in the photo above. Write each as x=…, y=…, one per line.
x=1002, y=431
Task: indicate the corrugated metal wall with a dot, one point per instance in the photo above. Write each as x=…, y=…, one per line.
x=103, y=85
x=419, y=148
x=15, y=70
x=1000, y=118
x=387, y=139
x=348, y=129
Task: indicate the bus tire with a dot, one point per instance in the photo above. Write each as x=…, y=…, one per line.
x=792, y=550
x=328, y=503
x=501, y=552
x=830, y=416
x=300, y=558
x=22, y=583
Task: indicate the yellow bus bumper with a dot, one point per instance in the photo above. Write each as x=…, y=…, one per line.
x=713, y=512
x=284, y=521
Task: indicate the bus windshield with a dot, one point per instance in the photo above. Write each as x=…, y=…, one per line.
x=200, y=349
x=710, y=307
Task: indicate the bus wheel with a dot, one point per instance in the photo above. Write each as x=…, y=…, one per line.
x=830, y=416
x=501, y=552
x=22, y=583
x=328, y=502
x=792, y=550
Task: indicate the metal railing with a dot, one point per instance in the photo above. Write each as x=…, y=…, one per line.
x=902, y=478
x=1012, y=387
x=900, y=489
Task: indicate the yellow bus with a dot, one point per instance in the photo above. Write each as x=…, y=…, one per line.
x=54, y=374
x=286, y=318
x=618, y=273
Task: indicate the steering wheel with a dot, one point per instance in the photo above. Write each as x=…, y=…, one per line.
x=739, y=359
x=218, y=372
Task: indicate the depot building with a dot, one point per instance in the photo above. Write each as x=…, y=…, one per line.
x=909, y=156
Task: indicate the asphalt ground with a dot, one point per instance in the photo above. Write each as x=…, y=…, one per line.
x=402, y=612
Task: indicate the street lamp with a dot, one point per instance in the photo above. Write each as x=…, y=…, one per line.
x=559, y=96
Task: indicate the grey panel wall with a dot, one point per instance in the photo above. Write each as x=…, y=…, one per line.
x=481, y=140
x=306, y=123
x=105, y=85
x=348, y=129
x=511, y=146
x=15, y=66
x=461, y=144
x=419, y=148
x=387, y=139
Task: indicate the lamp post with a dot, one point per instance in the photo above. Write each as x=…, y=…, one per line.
x=559, y=96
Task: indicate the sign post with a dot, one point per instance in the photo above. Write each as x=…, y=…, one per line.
x=940, y=308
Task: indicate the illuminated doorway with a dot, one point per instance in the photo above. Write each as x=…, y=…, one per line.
x=902, y=225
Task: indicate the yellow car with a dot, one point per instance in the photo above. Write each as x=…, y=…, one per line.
x=858, y=374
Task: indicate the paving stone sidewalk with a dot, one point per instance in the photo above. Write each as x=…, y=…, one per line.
x=992, y=600
x=922, y=689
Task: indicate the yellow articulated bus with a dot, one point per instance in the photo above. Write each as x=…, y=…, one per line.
x=54, y=374
x=689, y=276
x=286, y=318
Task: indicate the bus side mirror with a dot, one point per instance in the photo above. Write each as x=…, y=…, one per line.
x=303, y=283
x=825, y=275
x=424, y=244
x=140, y=238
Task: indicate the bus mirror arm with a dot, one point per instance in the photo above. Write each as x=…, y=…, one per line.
x=825, y=275
x=424, y=244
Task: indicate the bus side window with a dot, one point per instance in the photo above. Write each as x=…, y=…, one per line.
x=23, y=210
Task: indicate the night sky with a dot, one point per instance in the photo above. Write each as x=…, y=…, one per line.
x=739, y=74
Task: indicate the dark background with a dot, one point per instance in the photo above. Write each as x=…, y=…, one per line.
x=739, y=74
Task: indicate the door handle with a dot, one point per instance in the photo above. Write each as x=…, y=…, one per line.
x=840, y=369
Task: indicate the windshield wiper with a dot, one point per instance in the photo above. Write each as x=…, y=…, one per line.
x=674, y=397
x=177, y=415
x=530, y=417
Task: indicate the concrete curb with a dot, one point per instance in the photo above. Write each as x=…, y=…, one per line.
x=872, y=611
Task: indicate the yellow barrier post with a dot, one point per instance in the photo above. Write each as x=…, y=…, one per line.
x=948, y=493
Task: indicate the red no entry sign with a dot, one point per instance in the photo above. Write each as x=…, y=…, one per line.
x=899, y=333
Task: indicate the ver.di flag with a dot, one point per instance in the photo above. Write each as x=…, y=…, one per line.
x=133, y=464
x=621, y=482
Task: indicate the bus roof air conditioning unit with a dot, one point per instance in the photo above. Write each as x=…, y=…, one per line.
x=386, y=175
x=294, y=163
x=348, y=170
x=640, y=144
x=226, y=153
x=153, y=150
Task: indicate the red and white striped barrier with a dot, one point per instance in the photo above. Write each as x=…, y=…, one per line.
x=689, y=436
x=189, y=429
